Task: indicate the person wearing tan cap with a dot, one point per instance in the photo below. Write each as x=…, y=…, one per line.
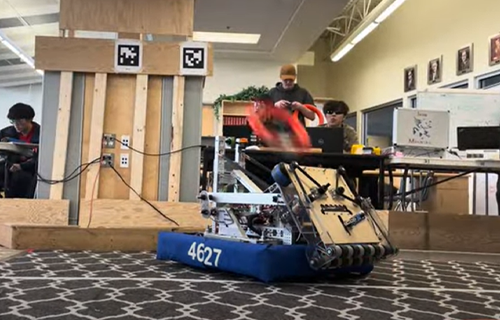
x=288, y=94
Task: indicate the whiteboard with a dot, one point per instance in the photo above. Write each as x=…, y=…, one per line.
x=421, y=128
x=467, y=108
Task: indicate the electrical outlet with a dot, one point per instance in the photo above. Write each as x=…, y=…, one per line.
x=124, y=160
x=108, y=140
x=125, y=142
x=107, y=160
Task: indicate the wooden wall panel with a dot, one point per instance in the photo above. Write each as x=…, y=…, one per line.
x=168, y=17
x=119, y=119
x=97, y=55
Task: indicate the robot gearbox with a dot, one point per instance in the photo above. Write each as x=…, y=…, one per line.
x=309, y=222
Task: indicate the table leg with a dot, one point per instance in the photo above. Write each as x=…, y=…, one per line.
x=391, y=191
x=381, y=185
x=6, y=178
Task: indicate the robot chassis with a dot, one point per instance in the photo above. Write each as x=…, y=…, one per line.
x=310, y=206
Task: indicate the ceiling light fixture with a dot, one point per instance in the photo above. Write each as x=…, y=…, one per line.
x=226, y=37
x=366, y=27
x=18, y=52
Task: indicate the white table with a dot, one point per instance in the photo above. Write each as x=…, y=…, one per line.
x=476, y=165
x=464, y=166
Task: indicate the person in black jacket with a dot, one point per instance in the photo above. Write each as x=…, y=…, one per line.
x=288, y=94
x=22, y=172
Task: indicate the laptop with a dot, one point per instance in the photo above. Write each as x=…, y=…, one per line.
x=329, y=140
x=478, y=138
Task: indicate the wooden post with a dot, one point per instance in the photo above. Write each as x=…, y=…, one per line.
x=139, y=135
x=61, y=143
x=96, y=134
x=176, y=142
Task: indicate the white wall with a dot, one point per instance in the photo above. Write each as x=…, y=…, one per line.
x=231, y=76
x=29, y=94
x=420, y=30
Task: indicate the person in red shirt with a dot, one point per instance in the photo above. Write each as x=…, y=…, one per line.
x=22, y=172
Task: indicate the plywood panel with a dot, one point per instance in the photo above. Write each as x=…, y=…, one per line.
x=118, y=120
x=168, y=17
x=72, y=238
x=464, y=232
x=34, y=211
x=131, y=213
x=97, y=55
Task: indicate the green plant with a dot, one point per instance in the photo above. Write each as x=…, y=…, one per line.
x=244, y=95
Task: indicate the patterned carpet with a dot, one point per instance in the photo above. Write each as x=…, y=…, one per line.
x=85, y=285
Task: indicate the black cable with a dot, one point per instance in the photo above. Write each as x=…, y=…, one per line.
x=435, y=183
x=159, y=154
x=149, y=203
x=72, y=175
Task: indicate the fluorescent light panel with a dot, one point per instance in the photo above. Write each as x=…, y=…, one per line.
x=366, y=31
x=369, y=28
x=226, y=37
x=28, y=60
x=343, y=52
x=390, y=9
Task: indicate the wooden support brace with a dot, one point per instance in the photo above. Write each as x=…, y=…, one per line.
x=96, y=135
x=138, y=136
x=62, y=136
x=176, y=139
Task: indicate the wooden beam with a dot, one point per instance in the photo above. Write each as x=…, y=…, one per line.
x=96, y=135
x=73, y=238
x=110, y=213
x=62, y=136
x=98, y=56
x=138, y=136
x=176, y=139
x=40, y=211
x=163, y=17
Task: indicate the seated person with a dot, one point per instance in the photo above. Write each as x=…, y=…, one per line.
x=335, y=112
x=22, y=171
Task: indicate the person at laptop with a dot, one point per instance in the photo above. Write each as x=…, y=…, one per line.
x=335, y=112
x=22, y=171
x=288, y=94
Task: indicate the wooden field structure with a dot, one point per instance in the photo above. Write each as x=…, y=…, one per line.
x=42, y=225
x=87, y=95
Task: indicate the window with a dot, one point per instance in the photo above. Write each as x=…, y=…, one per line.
x=489, y=82
x=378, y=124
x=352, y=119
x=461, y=86
x=413, y=102
x=458, y=85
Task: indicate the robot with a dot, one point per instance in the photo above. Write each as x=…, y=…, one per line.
x=308, y=221
x=314, y=207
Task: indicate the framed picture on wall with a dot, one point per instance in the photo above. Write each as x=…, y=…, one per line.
x=465, y=58
x=435, y=70
x=410, y=78
x=494, y=50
